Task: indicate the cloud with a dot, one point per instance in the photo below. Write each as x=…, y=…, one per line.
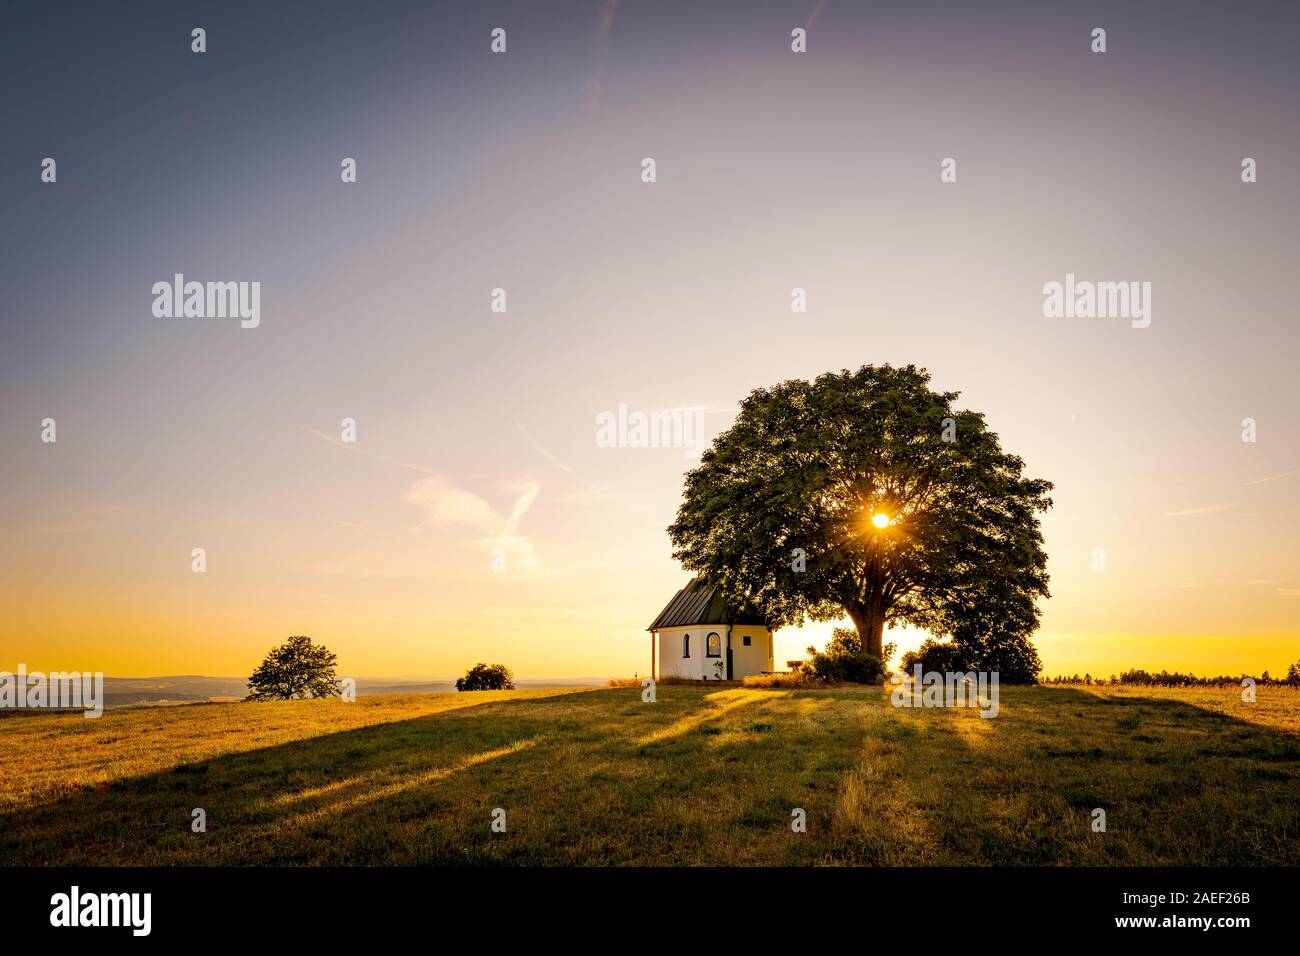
x=817, y=12
x=1285, y=474
x=540, y=450
x=1203, y=510
x=356, y=450
x=444, y=504
x=604, y=30
x=1289, y=592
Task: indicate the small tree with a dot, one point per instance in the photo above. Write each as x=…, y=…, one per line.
x=297, y=668
x=487, y=677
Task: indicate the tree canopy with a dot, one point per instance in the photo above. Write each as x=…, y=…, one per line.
x=297, y=668
x=866, y=493
x=487, y=677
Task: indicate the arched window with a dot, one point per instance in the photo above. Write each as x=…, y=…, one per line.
x=686, y=645
x=713, y=645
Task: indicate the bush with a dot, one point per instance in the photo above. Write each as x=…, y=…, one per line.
x=845, y=669
x=843, y=661
x=1013, y=658
x=487, y=677
x=941, y=656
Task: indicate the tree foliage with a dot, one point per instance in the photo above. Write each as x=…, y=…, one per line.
x=1143, y=678
x=1012, y=656
x=487, y=677
x=297, y=668
x=807, y=465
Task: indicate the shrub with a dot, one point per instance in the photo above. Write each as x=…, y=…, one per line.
x=844, y=669
x=1013, y=658
x=487, y=677
x=932, y=655
x=843, y=661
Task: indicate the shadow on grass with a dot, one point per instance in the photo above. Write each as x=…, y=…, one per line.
x=704, y=776
x=1177, y=783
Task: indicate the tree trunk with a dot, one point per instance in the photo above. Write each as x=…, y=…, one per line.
x=870, y=622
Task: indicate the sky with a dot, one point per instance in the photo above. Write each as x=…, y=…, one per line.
x=476, y=430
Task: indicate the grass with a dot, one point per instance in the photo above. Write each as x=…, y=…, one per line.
x=785, y=679
x=704, y=775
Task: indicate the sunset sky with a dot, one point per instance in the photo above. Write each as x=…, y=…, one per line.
x=476, y=430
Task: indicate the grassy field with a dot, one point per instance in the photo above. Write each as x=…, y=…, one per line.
x=702, y=776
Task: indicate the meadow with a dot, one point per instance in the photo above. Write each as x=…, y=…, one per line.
x=703, y=775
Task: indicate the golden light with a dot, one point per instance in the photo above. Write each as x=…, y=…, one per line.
x=880, y=521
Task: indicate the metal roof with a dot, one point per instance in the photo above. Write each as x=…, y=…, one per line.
x=700, y=603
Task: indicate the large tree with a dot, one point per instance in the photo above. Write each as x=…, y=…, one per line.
x=867, y=494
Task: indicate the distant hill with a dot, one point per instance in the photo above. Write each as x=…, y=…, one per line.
x=128, y=691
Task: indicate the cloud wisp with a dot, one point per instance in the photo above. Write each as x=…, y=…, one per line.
x=1285, y=474
x=1203, y=510
x=537, y=447
x=339, y=443
x=446, y=505
x=604, y=30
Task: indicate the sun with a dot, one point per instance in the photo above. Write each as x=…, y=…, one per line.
x=880, y=520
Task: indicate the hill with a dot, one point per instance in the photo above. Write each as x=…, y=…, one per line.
x=702, y=776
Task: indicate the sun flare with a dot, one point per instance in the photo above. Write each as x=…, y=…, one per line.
x=880, y=520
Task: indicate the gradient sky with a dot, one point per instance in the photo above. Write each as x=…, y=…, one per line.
x=775, y=170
